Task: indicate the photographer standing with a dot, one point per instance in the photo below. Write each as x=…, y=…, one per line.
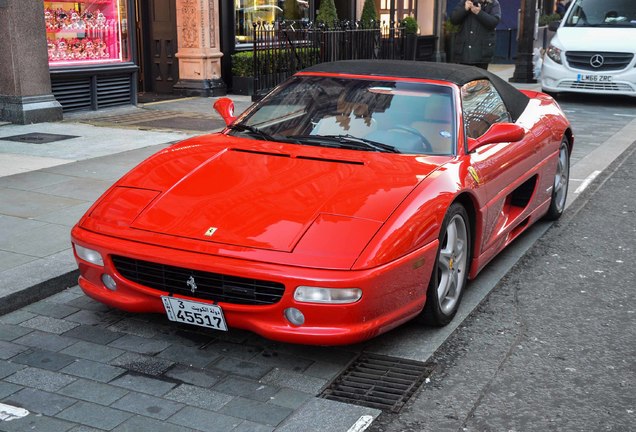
x=475, y=42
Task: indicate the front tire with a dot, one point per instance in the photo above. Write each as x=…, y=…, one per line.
x=560, y=186
x=450, y=273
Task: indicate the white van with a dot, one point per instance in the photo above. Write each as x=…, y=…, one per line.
x=593, y=50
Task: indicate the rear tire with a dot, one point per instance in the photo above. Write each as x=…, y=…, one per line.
x=450, y=273
x=560, y=186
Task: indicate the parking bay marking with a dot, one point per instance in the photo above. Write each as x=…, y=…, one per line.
x=587, y=182
x=9, y=412
x=362, y=423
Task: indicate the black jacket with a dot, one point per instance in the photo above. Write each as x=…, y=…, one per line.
x=475, y=42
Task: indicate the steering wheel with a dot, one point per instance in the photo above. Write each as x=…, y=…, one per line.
x=426, y=144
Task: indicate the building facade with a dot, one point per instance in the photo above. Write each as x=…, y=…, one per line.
x=92, y=54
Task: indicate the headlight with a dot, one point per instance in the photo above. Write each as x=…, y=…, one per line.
x=554, y=53
x=90, y=255
x=308, y=294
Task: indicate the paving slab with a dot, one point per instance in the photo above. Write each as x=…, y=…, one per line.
x=92, y=370
x=203, y=420
x=94, y=415
x=39, y=401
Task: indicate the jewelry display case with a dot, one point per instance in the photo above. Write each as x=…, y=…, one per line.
x=85, y=31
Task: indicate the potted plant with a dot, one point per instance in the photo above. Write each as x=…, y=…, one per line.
x=280, y=64
x=243, y=73
x=370, y=14
x=327, y=14
x=546, y=23
x=450, y=32
x=410, y=43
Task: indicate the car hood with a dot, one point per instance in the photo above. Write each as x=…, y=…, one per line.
x=269, y=197
x=595, y=39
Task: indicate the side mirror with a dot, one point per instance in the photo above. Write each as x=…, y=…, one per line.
x=498, y=133
x=225, y=107
x=554, y=25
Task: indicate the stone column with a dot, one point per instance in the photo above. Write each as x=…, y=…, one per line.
x=25, y=82
x=199, y=51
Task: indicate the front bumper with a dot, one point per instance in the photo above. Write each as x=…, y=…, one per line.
x=392, y=294
x=561, y=78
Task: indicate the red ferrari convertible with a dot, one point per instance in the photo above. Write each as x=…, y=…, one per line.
x=354, y=197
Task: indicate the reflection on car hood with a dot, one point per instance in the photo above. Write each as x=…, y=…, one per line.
x=267, y=196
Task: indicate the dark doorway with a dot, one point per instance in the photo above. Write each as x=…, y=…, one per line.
x=157, y=36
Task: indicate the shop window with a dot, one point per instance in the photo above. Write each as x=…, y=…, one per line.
x=403, y=8
x=86, y=32
x=248, y=12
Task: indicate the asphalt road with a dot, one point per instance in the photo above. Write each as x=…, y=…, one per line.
x=550, y=348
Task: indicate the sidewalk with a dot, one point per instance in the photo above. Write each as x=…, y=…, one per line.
x=45, y=187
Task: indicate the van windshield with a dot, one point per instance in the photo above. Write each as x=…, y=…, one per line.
x=605, y=13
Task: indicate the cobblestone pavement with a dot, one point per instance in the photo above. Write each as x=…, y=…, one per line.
x=77, y=365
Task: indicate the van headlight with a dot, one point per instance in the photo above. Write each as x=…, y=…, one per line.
x=554, y=53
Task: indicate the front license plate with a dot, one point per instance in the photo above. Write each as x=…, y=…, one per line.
x=191, y=312
x=594, y=78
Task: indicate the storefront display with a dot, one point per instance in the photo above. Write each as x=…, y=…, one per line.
x=89, y=53
x=85, y=31
x=249, y=12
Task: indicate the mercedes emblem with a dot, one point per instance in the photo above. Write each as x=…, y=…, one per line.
x=597, y=61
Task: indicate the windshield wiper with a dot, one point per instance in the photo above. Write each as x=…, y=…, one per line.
x=345, y=141
x=252, y=130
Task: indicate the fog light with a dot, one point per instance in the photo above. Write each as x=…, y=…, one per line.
x=90, y=255
x=307, y=294
x=295, y=316
x=109, y=282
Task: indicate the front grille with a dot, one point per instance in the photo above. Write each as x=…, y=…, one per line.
x=209, y=286
x=611, y=60
x=606, y=87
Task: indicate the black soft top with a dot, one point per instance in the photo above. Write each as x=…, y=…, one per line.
x=459, y=74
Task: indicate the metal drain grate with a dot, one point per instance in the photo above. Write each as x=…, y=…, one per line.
x=376, y=381
x=37, y=138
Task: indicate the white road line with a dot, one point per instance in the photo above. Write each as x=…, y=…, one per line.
x=587, y=182
x=624, y=115
x=8, y=412
x=362, y=423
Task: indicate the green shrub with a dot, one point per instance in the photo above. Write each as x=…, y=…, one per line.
x=327, y=12
x=242, y=63
x=410, y=25
x=544, y=20
x=449, y=27
x=278, y=61
x=369, y=13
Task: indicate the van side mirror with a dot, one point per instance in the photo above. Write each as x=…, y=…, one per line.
x=225, y=107
x=554, y=25
x=498, y=133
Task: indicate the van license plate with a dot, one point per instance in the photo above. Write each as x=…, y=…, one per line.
x=594, y=78
x=195, y=313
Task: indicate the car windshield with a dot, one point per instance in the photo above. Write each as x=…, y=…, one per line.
x=605, y=13
x=358, y=114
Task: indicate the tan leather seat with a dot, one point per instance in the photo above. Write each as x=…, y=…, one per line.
x=436, y=124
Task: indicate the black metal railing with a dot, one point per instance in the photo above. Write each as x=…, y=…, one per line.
x=282, y=48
